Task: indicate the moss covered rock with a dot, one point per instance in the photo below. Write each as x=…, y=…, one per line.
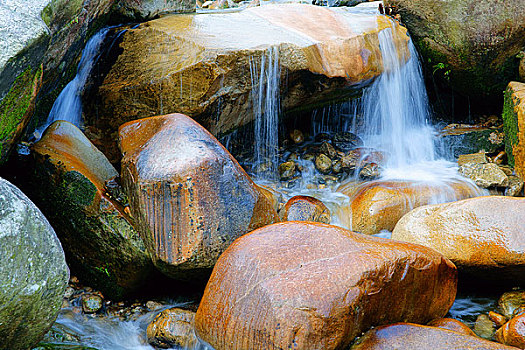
x=514, y=126
x=473, y=44
x=33, y=271
x=17, y=107
x=72, y=180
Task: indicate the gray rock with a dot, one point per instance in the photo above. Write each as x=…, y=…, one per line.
x=148, y=9
x=33, y=271
x=515, y=186
x=484, y=175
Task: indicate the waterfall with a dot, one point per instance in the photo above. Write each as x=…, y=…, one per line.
x=68, y=105
x=265, y=95
x=395, y=109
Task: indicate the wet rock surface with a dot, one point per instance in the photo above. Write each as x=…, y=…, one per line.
x=318, y=286
x=33, y=271
x=483, y=236
x=452, y=325
x=188, y=195
x=378, y=205
x=69, y=181
x=514, y=125
x=305, y=208
x=414, y=337
x=173, y=328
x=513, y=332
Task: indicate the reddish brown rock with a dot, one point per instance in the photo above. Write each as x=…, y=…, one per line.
x=499, y=320
x=378, y=205
x=68, y=183
x=305, y=208
x=513, y=332
x=172, y=328
x=484, y=236
x=452, y=325
x=189, y=196
x=305, y=285
x=409, y=336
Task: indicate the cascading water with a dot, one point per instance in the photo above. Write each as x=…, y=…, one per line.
x=265, y=78
x=68, y=105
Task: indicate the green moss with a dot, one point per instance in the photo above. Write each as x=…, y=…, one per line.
x=78, y=189
x=14, y=108
x=61, y=12
x=510, y=125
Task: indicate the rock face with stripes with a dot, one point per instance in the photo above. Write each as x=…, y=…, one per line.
x=305, y=285
x=189, y=197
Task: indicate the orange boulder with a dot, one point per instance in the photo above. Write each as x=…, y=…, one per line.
x=190, y=198
x=409, y=336
x=305, y=208
x=305, y=285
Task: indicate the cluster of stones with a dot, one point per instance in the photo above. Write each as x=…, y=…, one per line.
x=335, y=158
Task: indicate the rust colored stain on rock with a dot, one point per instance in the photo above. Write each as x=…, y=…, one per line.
x=190, y=197
x=305, y=285
x=378, y=205
x=483, y=235
x=409, y=336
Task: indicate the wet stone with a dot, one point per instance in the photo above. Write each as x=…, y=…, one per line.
x=498, y=319
x=91, y=303
x=172, y=328
x=287, y=170
x=484, y=327
x=514, y=187
x=510, y=301
x=297, y=136
x=328, y=150
x=370, y=171
x=323, y=163
x=346, y=141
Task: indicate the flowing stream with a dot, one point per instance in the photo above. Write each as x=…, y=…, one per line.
x=392, y=116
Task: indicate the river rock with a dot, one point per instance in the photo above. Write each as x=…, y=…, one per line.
x=509, y=302
x=172, y=328
x=515, y=186
x=199, y=65
x=378, y=205
x=287, y=170
x=452, y=325
x=498, y=319
x=513, y=332
x=323, y=163
x=308, y=285
x=408, y=336
x=306, y=208
x=484, y=327
x=483, y=236
x=484, y=175
x=514, y=126
x=91, y=303
x=478, y=57
x=33, y=271
x=189, y=196
x=69, y=183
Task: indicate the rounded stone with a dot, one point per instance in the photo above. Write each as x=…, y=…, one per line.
x=306, y=208
x=33, y=271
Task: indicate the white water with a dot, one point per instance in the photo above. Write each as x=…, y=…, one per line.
x=265, y=95
x=68, y=105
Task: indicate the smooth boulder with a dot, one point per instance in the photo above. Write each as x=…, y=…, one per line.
x=305, y=285
x=484, y=236
x=71, y=182
x=409, y=336
x=172, y=328
x=378, y=205
x=189, y=196
x=513, y=332
x=206, y=65
x=33, y=271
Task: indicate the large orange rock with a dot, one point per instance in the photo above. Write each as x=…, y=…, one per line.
x=513, y=332
x=69, y=184
x=452, y=325
x=189, y=196
x=409, y=336
x=483, y=235
x=378, y=205
x=305, y=285
x=204, y=65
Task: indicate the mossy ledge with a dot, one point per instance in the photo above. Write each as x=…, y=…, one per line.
x=510, y=125
x=16, y=108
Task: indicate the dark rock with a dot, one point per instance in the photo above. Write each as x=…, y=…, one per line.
x=306, y=208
